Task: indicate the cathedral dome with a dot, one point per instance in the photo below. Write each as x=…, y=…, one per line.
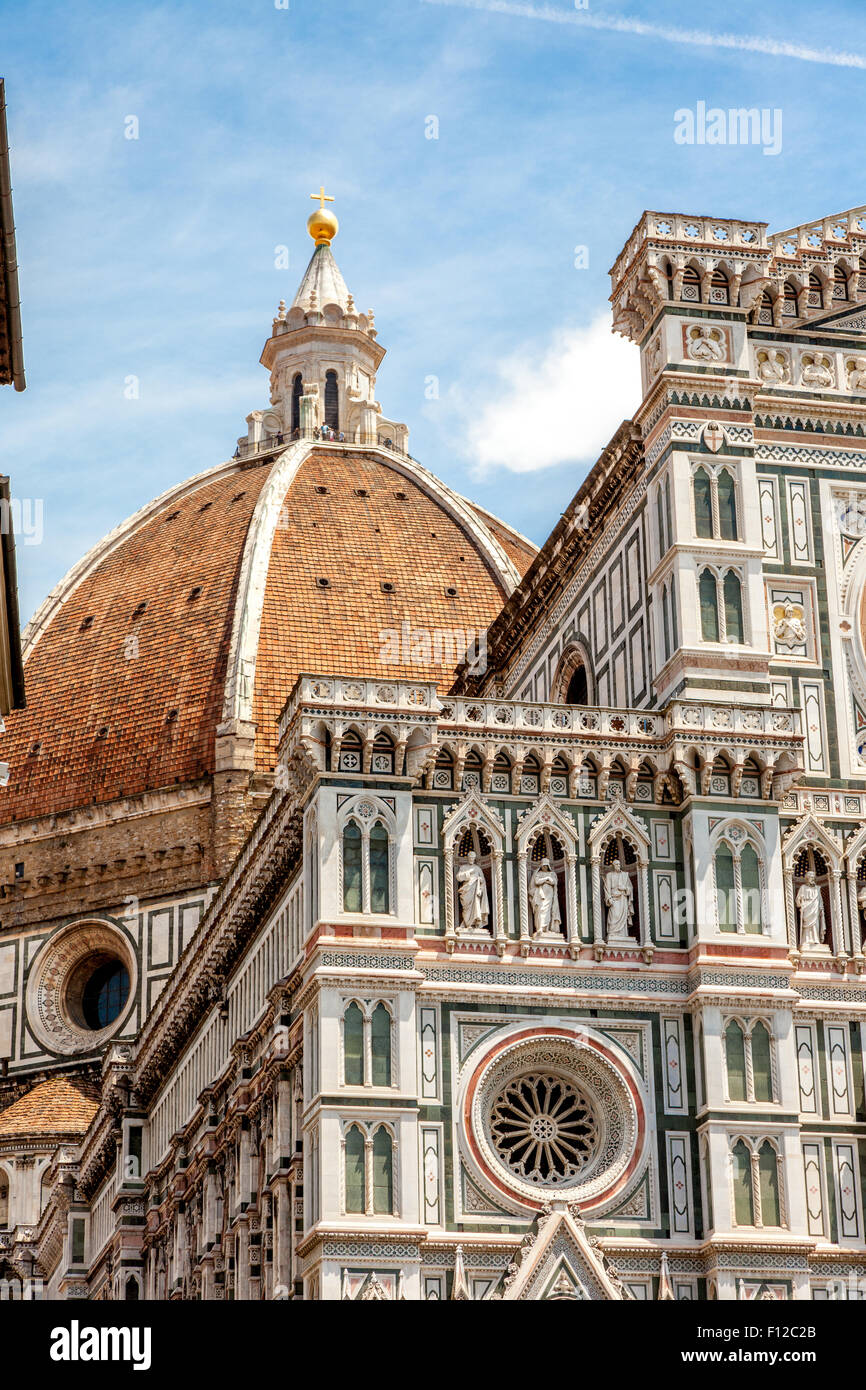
x=207, y=604
x=321, y=547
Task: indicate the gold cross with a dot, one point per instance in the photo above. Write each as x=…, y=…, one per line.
x=322, y=197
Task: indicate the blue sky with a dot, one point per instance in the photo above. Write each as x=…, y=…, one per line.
x=154, y=257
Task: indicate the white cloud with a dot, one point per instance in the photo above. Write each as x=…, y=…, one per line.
x=697, y=38
x=558, y=408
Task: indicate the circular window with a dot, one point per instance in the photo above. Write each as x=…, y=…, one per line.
x=98, y=991
x=543, y=1129
x=553, y=1110
x=80, y=987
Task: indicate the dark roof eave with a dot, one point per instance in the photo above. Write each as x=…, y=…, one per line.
x=8, y=253
x=10, y=582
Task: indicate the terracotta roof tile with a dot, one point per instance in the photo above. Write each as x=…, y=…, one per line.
x=61, y=1105
x=107, y=673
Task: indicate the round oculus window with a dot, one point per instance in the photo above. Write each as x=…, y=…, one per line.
x=544, y=1129
x=552, y=1111
x=80, y=987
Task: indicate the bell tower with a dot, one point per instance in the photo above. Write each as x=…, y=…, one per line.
x=323, y=357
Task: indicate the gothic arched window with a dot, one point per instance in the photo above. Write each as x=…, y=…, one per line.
x=734, y=629
x=297, y=392
x=355, y=1170
x=353, y=1046
x=739, y=885
x=840, y=283
x=4, y=1201
x=816, y=292
x=751, y=894
x=727, y=496
x=768, y=1178
x=709, y=599
x=765, y=310
x=726, y=894
x=735, y=1061
x=380, y=869
x=383, y=1173
x=352, y=868
x=332, y=401
x=380, y=1045
x=578, y=687
x=762, y=1065
x=366, y=853
x=741, y=1173
x=703, y=504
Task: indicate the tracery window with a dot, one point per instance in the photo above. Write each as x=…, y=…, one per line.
x=367, y=1044
x=749, y=1061
x=756, y=1178
x=368, y=1170
x=544, y=1129
x=816, y=292
x=354, y=1146
x=739, y=884
x=383, y=1172
x=840, y=283
x=714, y=497
x=721, y=604
x=380, y=1045
x=367, y=861
x=353, y=1045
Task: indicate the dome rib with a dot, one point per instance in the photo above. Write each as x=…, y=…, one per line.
x=243, y=647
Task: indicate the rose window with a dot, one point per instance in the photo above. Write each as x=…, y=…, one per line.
x=543, y=1129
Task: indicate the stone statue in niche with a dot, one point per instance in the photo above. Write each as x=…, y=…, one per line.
x=619, y=898
x=811, y=910
x=544, y=899
x=472, y=890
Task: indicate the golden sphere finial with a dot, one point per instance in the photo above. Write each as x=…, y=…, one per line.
x=322, y=224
